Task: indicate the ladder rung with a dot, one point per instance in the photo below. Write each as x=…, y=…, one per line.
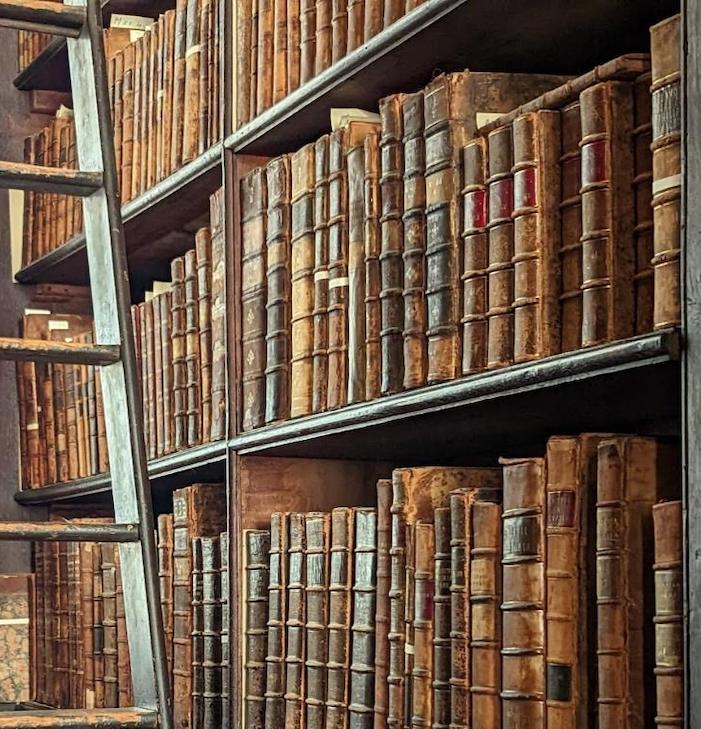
x=42, y=16
x=60, y=531
x=40, y=350
x=18, y=176
x=79, y=719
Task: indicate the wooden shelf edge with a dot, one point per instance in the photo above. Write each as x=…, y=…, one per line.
x=642, y=351
x=178, y=462
x=28, y=79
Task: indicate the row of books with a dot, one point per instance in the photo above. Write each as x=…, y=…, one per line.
x=81, y=655
x=387, y=256
x=180, y=337
x=516, y=596
x=165, y=99
x=282, y=45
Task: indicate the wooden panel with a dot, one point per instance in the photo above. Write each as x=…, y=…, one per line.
x=79, y=719
x=68, y=532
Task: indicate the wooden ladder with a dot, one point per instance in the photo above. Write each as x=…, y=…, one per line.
x=80, y=21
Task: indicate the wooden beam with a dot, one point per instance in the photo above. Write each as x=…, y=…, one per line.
x=42, y=16
x=18, y=176
x=39, y=350
x=58, y=531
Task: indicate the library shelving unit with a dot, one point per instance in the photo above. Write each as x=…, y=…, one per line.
x=649, y=384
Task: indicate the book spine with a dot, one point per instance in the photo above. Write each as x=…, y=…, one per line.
x=523, y=606
x=203, y=248
x=253, y=297
x=193, y=385
x=157, y=405
x=123, y=666
x=98, y=628
x=109, y=624
x=75, y=664
x=293, y=44
x=339, y=29
x=317, y=527
x=302, y=278
x=154, y=121
x=257, y=587
x=391, y=246
x=193, y=67
x=266, y=55
x=307, y=39
x=165, y=302
x=225, y=617
x=146, y=81
x=668, y=620
x=280, y=50
x=356, y=24
x=211, y=635
x=422, y=672
x=244, y=72
x=382, y=610
x=179, y=73
x=58, y=377
x=666, y=55
x=149, y=377
x=373, y=19
x=127, y=120
x=117, y=65
x=441, y=619
x=45, y=391
x=139, y=90
x=324, y=31
x=197, y=635
x=219, y=360
x=204, y=112
x=91, y=395
x=42, y=600
x=28, y=220
x=182, y=610
x=102, y=455
x=165, y=577
x=253, y=97
x=168, y=92
x=178, y=346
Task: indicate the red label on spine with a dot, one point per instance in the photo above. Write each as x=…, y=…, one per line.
x=525, y=188
x=501, y=198
x=476, y=209
x=594, y=162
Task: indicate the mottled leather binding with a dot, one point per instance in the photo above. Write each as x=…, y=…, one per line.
x=203, y=251
x=665, y=42
x=197, y=643
x=266, y=56
x=219, y=341
x=253, y=297
x=255, y=30
x=192, y=351
x=225, y=617
x=109, y=625
x=277, y=337
x=147, y=332
x=302, y=276
x=154, y=121
x=98, y=628
x=373, y=19
x=127, y=144
x=373, y=281
x=245, y=71
x=146, y=98
x=135, y=185
x=339, y=29
x=193, y=69
x=165, y=302
x=180, y=47
x=86, y=618
x=607, y=212
x=441, y=619
x=165, y=578
x=123, y=665
x=280, y=49
x=317, y=533
x=668, y=620
x=211, y=635
x=166, y=132
x=178, y=346
x=384, y=543
x=257, y=568
x=322, y=58
x=207, y=55
x=307, y=40
x=157, y=404
x=293, y=44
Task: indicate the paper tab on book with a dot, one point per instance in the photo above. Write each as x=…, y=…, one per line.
x=130, y=22
x=63, y=112
x=482, y=118
x=58, y=325
x=342, y=117
x=37, y=312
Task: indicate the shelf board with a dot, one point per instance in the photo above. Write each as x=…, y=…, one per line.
x=567, y=37
x=632, y=385
x=158, y=225
x=202, y=463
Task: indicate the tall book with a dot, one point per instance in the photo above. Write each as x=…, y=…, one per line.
x=277, y=338
x=669, y=631
x=109, y=624
x=193, y=69
x=322, y=57
x=253, y=297
x=280, y=49
x=165, y=302
x=216, y=217
x=211, y=634
x=339, y=29
x=422, y=671
x=253, y=96
x=665, y=50
x=123, y=665
x=257, y=568
x=441, y=618
x=225, y=616
x=157, y=372
x=373, y=279
x=245, y=79
x=193, y=354
x=356, y=20
x=87, y=621
x=179, y=83
x=197, y=642
x=607, y=212
x=302, y=276
x=307, y=39
x=523, y=592
x=203, y=253
x=266, y=55
x=317, y=533
x=165, y=578
x=178, y=348
x=384, y=543
x=98, y=627
x=293, y=44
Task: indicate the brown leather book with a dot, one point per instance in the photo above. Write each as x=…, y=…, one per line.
x=391, y=246
x=29, y=212
x=266, y=55
x=75, y=634
x=500, y=228
x=536, y=171
x=86, y=619
x=61, y=630
x=255, y=30
x=524, y=599
x=257, y=569
x=197, y=511
x=280, y=50
x=211, y=634
x=98, y=628
x=414, y=255
x=441, y=618
x=317, y=534
x=307, y=40
x=117, y=66
x=475, y=257
x=215, y=53
x=340, y=580
x=178, y=342
x=339, y=29
x=197, y=643
x=373, y=279
x=149, y=376
x=253, y=298
x=192, y=351
x=154, y=121
x=92, y=421
x=158, y=92
x=219, y=360
x=277, y=338
x=165, y=303
x=668, y=620
x=168, y=92
x=295, y=621
x=127, y=119
x=302, y=279
x=384, y=544
x=146, y=107
x=139, y=90
x=102, y=454
x=277, y=616
x=203, y=249
x=193, y=57
x=362, y=667
x=38, y=615
x=109, y=624
x=324, y=32
x=665, y=44
x=356, y=24
x=206, y=34
x=138, y=323
x=165, y=579
x=373, y=19
x=123, y=665
x=293, y=44
x=245, y=78
x=157, y=404
x=179, y=73
x=607, y=212
x=225, y=618
x=570, y=228
x=642, y=192
x=320, y=375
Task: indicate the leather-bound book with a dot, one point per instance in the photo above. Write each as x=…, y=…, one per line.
x=320, y=375
x=277, y=616
x=178, y=347
x=293, y=44
x=253, y=297
x=29, y=213
x=197, y=511
x=168, y=89
x=61, y=632
x=257, y=569
x=206, y=34
x=127, y=120
x=441, y=619
x=339, y=29
x=193, y=57
x=669, y=606
x=607, y=212
x=149, y=375
x=192, y=351
x=134, y=183
x=71, y=424
x=138, y=324
x=475, y=257
x=154, y=122
x=295, y=635
x=414, y=255
x=302, y=277
x=92, y=421
x=362, y=668
x=146, y=105
x=165, y=578
x=203, y=249
x=665, y=50
x=98, y=628
x=536, y=139
x=123, y=666
x=165, y=304
x=373, y=19
x=211, y=634
x=75, y=664
x=317, y=533
x=179, y=73
x=642, y=187
x=280, y=50
x=391, y=246
x=373, y=279
x=219, y=360
x=322, y=57
x=523, y=593
x=253, y=100
x=245, y=79
x=570, y=228
x=225, y=617
x=307, y=40
x=356, y=24
x=500, y=231
x=384, y=544
x=277, y=338
x=109, y=624
x=340, y=580
x=86, y=619
x=102, y=454
x=157, y=404
x=117, y=63
x=266, y=55
x=197, y=643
